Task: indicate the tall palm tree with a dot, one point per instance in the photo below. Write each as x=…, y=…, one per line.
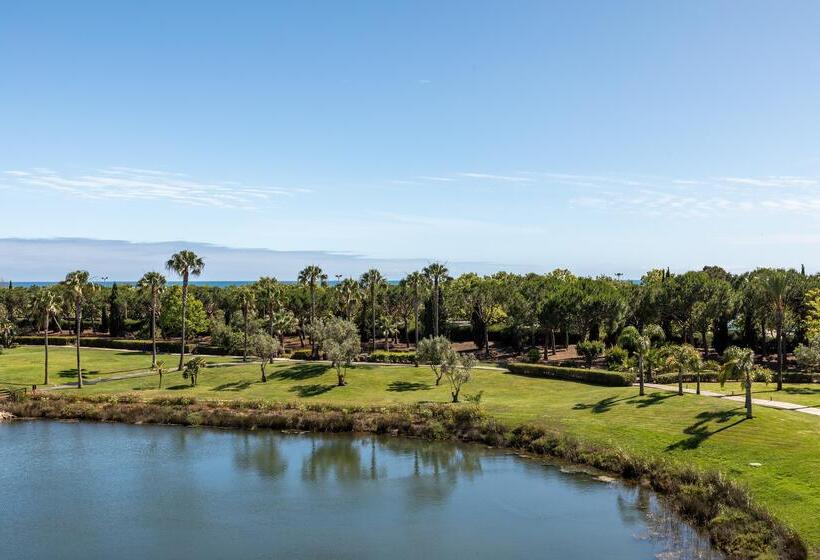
x=417, y=283
x=45, y=304
x=739, y=363
x=640, y=344
x=246, y=303
x=372, y=281
x=185, y=264
x=268, y=294
x=77, y=284
x=684, y=357
x=284, y=321
x=153, y=284
x=312, y=276
x=775, y=285
x=348, y=294
x=436, y=273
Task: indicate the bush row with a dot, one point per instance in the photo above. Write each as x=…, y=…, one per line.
x=712, y=377
x=382, y=357
x=592, y=376
x=102, y=342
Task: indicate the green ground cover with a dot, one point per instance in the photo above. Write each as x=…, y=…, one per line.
x=23, y=365
x=702, y=431
x=806, y=394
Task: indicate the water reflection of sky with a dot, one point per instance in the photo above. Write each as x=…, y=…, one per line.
x=90, y=489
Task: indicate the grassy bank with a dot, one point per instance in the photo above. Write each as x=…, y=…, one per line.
x=736, y=525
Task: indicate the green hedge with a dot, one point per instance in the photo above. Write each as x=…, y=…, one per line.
x=300, y=355
x=672, y=378
x=382, y=357
x=592, y=376
x=101, y=342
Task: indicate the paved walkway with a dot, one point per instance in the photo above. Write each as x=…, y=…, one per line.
x=740, y=398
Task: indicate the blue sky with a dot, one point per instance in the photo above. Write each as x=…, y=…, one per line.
x=599, y=136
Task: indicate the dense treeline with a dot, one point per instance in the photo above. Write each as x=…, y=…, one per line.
x=769, y=310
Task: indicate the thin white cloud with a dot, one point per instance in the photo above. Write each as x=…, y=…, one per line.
x=436, y=178
x=147, y=184
x=489, y=176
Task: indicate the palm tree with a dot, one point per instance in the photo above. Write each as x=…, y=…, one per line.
x=268, y=292
x=417, y=283
x=284, y=321
x=185, y=264
x=775, y=285
x=348, y=294
x=639, y=343
x=153, y=284
x=77, y=284
x=312, y=276
x=45, y=304
x=246, y=302
x=372, y=281
x=684, y=358
x=739, y=363
x=436, y=273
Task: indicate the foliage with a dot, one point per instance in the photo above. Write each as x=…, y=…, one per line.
x=170, y=318
x=192, y=368
x=381, y=357
x=266, y=348
x=589, y=350
x=339, y=341
x=301, y=355
x=225, y=337
x=457, y=369
x=617, y=358
x=808, y=355
x=434, y=351
x=7, y=333
x=592, y=376
x=533, y=356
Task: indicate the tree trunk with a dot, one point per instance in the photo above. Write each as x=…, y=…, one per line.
x=455, y=395
x=435, y=307
x=184, y=313
x=373, y=313
x=780, y=353
x=245, y=337
x=79, y=328
x=552, y=341
x=45, y=332
x=748, y=398
x=640, y=374
x=680, y=382
x=154, y=331
x=262, y=367
x=697, y=382
x=546, y=346
x=416, y=326
x=705, y=345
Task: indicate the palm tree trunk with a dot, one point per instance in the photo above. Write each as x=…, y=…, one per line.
x=680, y=382
x=79, y=317
x=184, y=313
x=748, y=398
x=697, y=382
x=435, y=306
x=373, y=305
x=779, y=354
x=154, y=331
x=640, y=374
x=245, y=338
x=45, y=332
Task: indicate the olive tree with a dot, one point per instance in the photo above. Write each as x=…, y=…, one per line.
x=265, y=347
x=339, y=340
x=808, y=355
x=434, y=351
x=458, y=370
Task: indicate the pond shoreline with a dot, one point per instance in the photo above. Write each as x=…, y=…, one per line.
x=736, y=526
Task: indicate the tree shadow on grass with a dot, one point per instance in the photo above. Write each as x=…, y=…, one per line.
x=310, y=390
x=402, y=386
x=801, y=391
x=235, y=386
x=303, y=371
x=700, y=432
x=651, y=399
x=179, y=387
x=604, y=405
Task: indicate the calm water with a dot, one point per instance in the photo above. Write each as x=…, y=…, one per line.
x=76, y=490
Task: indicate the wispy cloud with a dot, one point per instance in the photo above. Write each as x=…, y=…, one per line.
x=491, y=177
x=149, y=184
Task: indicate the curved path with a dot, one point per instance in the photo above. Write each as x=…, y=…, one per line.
x=814, y=411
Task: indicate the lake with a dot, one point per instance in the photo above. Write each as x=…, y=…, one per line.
x=84, y=490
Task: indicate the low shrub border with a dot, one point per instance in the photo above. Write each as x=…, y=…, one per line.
x=382, y=357
x=592, y=376
x=737, y=527
x=165, y=346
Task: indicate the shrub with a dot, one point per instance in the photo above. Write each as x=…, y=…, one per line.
x=672, y=378
x=591, y=376
x=225, y=337
x=300, y=355
x=168, y=346
x=589, y=350
x=533, y=356
x=808, y=356
x=382, y=357
x=617, y=358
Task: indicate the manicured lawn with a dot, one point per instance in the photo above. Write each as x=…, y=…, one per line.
x=807, y=394
x=24, y=364
x=702, y=431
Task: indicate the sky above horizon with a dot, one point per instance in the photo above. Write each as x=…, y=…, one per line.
x=602, y=137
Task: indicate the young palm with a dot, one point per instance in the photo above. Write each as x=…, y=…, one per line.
x=417, y=283
x=185, y=264
x=372, y=281
x=45, y=304
x=775, y=285
x=684, y=358
x=739, y=363
x=268, y=294
x=348, y=295
x=284, y=321
x=436, y=273
x=246, y=303
x=640, y=344
x=77, y=284
x=152, y=284
x=312, y=276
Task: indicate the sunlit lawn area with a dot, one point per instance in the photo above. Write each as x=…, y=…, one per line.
x=807, y=394
x=702, y=431
x=24, y=364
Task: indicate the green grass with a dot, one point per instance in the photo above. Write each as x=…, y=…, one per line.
x=806, y=394
x=701, y=431
x=23, y=365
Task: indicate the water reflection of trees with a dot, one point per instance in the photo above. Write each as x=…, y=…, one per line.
x=641, y=507
x=260, y=453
